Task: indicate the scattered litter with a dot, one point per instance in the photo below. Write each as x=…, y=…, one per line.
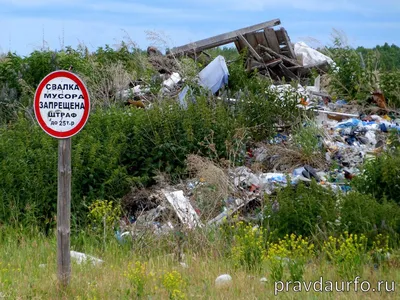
x=184, y=265
x=183, y=208
x=223, y=280
x=348, y=135
x=264, y=280
x=83, y=258
x=172, y=81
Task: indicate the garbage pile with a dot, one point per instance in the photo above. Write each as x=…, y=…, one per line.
x=349, y=138
x=348, y=135
x=269, y=51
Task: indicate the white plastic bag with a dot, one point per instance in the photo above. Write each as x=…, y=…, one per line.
x=310, y=56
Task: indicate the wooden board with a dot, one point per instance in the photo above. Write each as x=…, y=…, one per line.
x=272, y=39
x=277, y=55
x=250, y=37
x=251, y=49
x=222, y=39
x=266, y=57
x=238, y=46
x=288, y=43
x=287, y=73
x=280, y=37
x=260, y=37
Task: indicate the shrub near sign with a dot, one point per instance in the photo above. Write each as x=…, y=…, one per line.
x=62, y=104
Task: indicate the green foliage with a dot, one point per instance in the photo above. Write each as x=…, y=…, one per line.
x=174, y=284
x=390, y=85
x=380, y=251
x=28, y=168
x=389, y=56
x=362, y=214
x=103, y=212
x=360, y=71
x=229, y=53
x=249, y=246
x=348, y=254
x=308, y=139
x=291, y=252
x=354, y=75
x=117, y=148
x=10, y=89
x=303, y=210
x=380, y=177
x=140, y=279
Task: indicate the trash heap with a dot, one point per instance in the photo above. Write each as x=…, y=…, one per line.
x=349, y=138
x=269, y=51
x=349, y=135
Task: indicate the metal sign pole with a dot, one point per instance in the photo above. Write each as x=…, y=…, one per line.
x=64, y=211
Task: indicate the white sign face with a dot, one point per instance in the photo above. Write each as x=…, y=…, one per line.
x=62, y=104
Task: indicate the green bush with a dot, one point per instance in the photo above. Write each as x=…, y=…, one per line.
x=303, y=210
x=380, y=177
x=353, y=76
x=117, y=148
x=362, y=214
x=390, y=84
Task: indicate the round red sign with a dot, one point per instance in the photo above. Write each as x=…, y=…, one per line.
x=61, y=104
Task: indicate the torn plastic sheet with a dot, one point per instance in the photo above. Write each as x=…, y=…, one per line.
x=310, y=56
x=214, y=75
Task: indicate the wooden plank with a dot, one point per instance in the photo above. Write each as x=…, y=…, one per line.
x=284, y=58
x=251, y=49
x=238, y=46
x=250, y=37
x=266, y=57
x=287, y=73
x=222, y=39
x=272, y=39
x=262, y=66
x=64, y=211
x=260, y=37
x=241, y=44
x=280, y=37
x=288, y=43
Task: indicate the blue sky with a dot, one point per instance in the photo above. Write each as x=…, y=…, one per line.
x=25, y=24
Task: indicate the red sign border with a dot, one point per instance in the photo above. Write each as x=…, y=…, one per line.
x=85, y=117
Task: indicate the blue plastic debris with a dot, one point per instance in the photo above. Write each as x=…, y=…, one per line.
x=340, y=103
x=349, y=123
x=383, y=128
x=345, y=188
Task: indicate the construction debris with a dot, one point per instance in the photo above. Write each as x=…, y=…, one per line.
x=183, y=208
x=270, y=51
